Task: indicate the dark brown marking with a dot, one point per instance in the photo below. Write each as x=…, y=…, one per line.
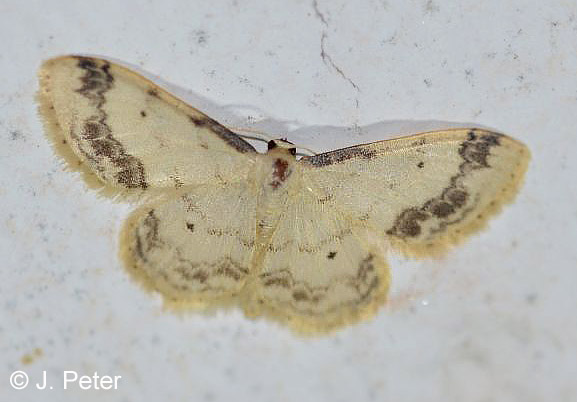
x=223, y=133
x=143, y=113
x=365, y=268
x=300, y=295
x=86, y=63
x=138, y=248
x=190, y=226
x=331, y=255
x=201, y=273
x=200, y=276
x=190, y=273
x=150, y=224
x=457, y=197
x=147, y=236
x=363, y=283
x=282, y=282
x=199, y=121
x=366, y=279
x=93, y=130
x=340, y=155
x=408, y=223
x=474, y=151
x=421, y=165
x=96, y=141
x=153, y=92
x=441, y=209
x=104, y=147
x=231, y=270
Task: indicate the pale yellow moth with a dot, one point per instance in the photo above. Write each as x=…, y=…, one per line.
x=302, y=241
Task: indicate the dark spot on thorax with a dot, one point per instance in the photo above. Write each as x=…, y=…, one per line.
x=190, y=226
x=280, y=167
x=280, y=172
x=421, y=165
x=143, y=113
x=331, y=255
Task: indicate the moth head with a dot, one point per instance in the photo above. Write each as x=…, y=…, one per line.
x=282, y=145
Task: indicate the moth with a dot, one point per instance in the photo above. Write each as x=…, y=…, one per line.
x=301, y=241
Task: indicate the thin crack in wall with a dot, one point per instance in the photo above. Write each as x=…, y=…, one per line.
x=318, y=13
x=327, y=59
